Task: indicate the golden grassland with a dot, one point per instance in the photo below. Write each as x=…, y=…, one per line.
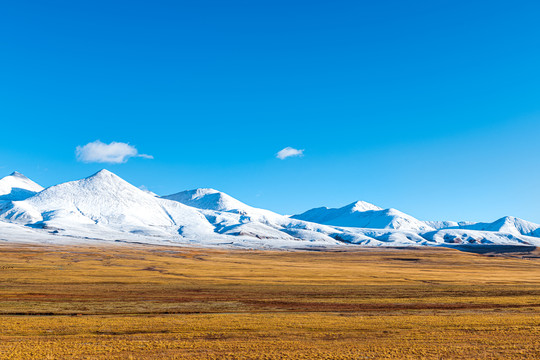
x=147, y=302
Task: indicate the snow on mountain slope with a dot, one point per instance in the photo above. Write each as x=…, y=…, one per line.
x=445, y=237
x=209, y=199
x=15, y=232
x=263, y=224
x=106, y=201
x=323, y=215
x=451, y=237
x=382, y=237
x=363, y=215
x=17, y=187
x=103, y=207
x=507, y=225
x=233, y=217
x=440, y=225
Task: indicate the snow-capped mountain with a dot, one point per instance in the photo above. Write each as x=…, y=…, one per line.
x=17, y=187
x=234, y=217
x=210, y=199
x=104, y=207
x=324, y=215
x=363, y=215
x=105, y=201
x=438, y=225
x=508, y=225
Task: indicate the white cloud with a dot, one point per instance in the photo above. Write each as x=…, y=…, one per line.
x=289, y=152
x=113, y=153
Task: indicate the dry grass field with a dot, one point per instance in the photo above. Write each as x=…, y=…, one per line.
x=143, y=302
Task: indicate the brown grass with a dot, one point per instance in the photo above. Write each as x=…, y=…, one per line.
x=163, y=302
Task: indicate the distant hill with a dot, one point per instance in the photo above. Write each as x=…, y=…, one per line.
x=104, y=207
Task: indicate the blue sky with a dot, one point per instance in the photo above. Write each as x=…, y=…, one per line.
x=431, y=107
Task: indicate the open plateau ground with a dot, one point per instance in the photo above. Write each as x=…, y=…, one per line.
x=148, y=302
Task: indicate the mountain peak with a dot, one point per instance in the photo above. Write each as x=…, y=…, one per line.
x=16, y=187
x=363, y=206
x=106, y=207
x=204, y=191
x=209, y=199
x=507, y=224
x=104, y=174
x=362, y=214
x=18, y=174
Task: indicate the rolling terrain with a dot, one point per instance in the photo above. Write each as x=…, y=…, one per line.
x=104, y=208
x=134, y=302
x=98, y=268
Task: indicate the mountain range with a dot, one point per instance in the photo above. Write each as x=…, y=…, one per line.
x=104, y=207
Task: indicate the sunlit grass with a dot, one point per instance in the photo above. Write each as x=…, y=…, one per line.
x=274, y=336
x=154, y=303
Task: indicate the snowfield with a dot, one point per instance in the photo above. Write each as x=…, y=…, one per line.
x=17, y=187
x=364, y=215
x=106, y=208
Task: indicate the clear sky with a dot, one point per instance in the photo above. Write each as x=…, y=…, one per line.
x=430, y=107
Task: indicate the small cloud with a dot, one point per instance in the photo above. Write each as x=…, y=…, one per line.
x=289, y=152
x=145, y=156
x=113, y=153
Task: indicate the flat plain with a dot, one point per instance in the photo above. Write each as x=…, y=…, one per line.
x=149, y=302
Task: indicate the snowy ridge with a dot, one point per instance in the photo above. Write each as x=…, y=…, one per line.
x=17, y=187
x=363, y=215
x=104, y=207
x=233, y=217
x=103, y=201
x=507, y=224
x=209, y=199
